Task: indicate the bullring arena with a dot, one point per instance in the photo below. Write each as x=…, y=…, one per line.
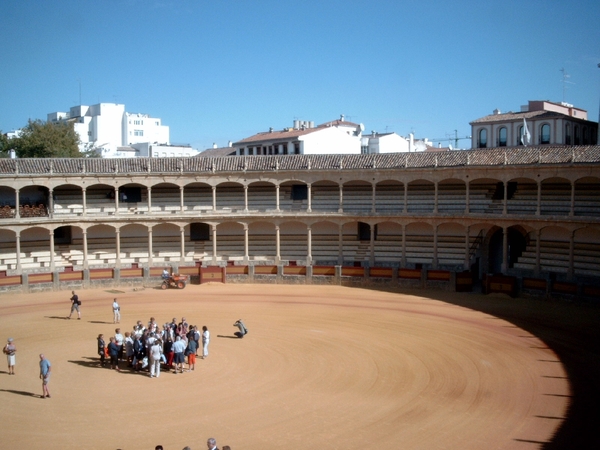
x=401, y=301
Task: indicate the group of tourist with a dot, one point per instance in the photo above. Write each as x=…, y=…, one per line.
x=152, y=346
x=211, y=443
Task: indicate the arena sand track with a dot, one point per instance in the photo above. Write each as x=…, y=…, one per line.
x=322, y=366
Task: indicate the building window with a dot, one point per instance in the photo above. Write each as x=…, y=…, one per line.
x=482, y=139
x=296, y=148
x=584, y=136
x=545, y=134
x=502, y=137
x=138, y=132
x=138, y=122
x=576, y=135
x=568, y=134
x=520, y=135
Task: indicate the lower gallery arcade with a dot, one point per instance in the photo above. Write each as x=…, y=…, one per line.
x=499, y=214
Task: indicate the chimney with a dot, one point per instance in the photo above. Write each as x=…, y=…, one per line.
x=229, y=144
x=214, y=145
x=341, y=117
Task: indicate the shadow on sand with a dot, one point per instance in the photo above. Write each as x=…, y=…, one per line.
x=572, y=331
x=24, y=393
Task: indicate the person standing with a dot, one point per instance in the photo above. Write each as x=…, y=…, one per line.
x=155, y=354
x=75, y=304
x=45, y=368
x=101, y=349
x=205, y=341
x=116, y=311
x=129, y=348
x=113, y=353
x=243, y=330
x=178, y=350
x=190, y=351
x=211, y=443
x=9, y=350
x=119, y=341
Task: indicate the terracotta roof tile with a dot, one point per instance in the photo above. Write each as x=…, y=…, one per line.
x=481, y=157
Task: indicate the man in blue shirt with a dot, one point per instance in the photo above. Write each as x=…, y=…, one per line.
x=45, y=368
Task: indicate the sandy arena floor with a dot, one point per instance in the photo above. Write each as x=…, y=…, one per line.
x=322, y=367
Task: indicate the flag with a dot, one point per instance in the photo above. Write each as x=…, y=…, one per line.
x=525, y=136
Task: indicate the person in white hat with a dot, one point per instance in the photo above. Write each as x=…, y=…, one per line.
x=9, y=350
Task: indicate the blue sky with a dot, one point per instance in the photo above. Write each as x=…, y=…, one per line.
x=222, y=70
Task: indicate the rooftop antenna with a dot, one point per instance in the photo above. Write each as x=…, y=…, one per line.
x=565, y=81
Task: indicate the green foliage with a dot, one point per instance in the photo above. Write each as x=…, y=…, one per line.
x=46, y=140
x=4, y=145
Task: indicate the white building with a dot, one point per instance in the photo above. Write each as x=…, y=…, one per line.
x=119, y=134
x=543, y=122
x=393, y=143
x=337, y=136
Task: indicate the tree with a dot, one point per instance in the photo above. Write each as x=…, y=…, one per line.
x=4, y=145
x=47, y=140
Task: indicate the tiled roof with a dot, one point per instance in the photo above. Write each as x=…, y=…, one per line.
x=278, y=135
x=216, y=152
x=483, y=157
x=288, y=133
x=518, y=116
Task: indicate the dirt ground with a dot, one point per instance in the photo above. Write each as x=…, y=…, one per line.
x=321, y=367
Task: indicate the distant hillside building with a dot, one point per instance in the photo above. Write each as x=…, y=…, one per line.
x=376, y=143
x=119, y=134
x=544, y=122
x=337, y=136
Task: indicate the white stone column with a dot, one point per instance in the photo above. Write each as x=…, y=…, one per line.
x=467, y=264
x=467, y=198
x=539, y=199
x=309, y=207
x=118, y=247
x=277, y=245
x=84, y=197
x=116, y=200
x=403, y=260
x=405, y=210
x=17, y=204
x=245, y=198
x=150, y=256
x=340, y=245
x=435, y=246
x=181, y=198
x=309, y=243
x=214, y=236
x=435, y=197
x=373, y=199
x=277, y=198
x=149, y=199
x=372, y=246
x=572, y=210
x=85, y=251
x=246, y=244
x=50, y=203
x=341, y=207
x=537, y=266
x=504, y=267
x=18, y=245
x=52, y=264
x=182, y=240
x=214, y=197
